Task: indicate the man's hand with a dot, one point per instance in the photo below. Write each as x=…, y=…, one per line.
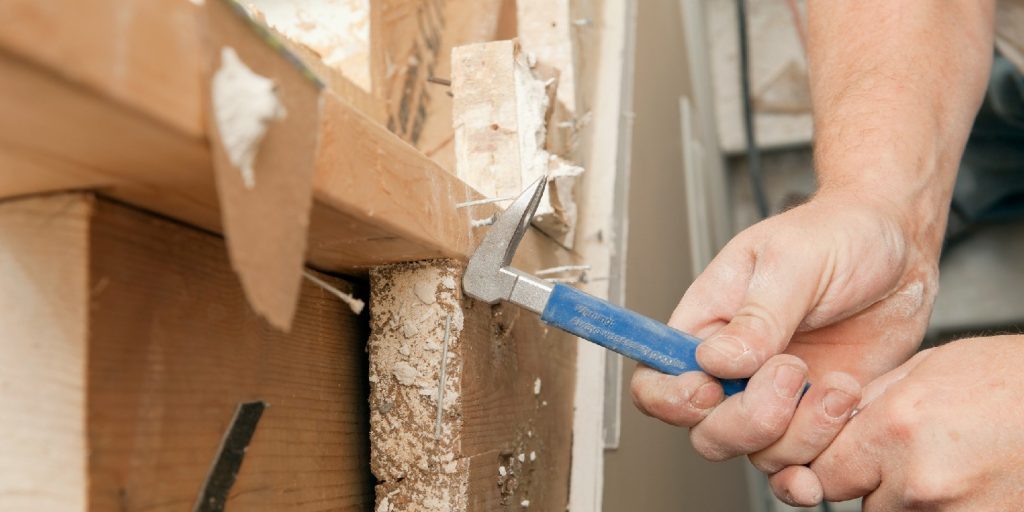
x=944, y=431
x=840, y=288
x=834, y=284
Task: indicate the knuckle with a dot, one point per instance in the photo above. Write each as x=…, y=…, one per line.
x=766, y=463
x=929, y=487
x=769, y=424
x=665, y=403
x=708, y=448
x=903, y=416
x=757, y=321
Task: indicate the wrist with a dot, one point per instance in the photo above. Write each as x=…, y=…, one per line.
x=918, y=203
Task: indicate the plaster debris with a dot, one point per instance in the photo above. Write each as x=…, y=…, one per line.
x=536, y=386
x=502, y=471
x=414, y=441
x=524, y=503
x=522, y=457
x=409, y=330
x=533, y=456
x=405, y=373
x=356, y=305
x=476, y=223
x=425, y=292
x=338, y=31
x=385, y=505
x=244, y=105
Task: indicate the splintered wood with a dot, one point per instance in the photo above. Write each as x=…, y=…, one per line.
x=470, y=405
x=501, y=112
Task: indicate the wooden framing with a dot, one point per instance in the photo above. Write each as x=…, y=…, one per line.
x=502, y=437
x=128, y=344
x=346, y=183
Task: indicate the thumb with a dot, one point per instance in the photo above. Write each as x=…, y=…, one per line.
x=779, y=295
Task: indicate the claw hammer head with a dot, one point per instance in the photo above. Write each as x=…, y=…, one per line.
x=488, y=276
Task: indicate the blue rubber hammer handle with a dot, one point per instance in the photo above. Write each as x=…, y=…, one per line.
x=631, y=334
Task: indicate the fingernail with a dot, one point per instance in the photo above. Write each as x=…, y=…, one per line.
x=729, y=348
x=706, y=396
x=837, y=403
x=789, y=380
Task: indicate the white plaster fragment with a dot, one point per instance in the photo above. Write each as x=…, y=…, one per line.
x=522, y=457
x=336, y=30
x=425, y=292
x=244, y=104
x=486, y=221
x=405, y=373
x=409, y=330
x=536, y=386
x=524, y=503
x=533, y=456
x=502, y=471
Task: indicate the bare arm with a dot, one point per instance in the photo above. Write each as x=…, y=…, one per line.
x=895, y=87
x=839, y=290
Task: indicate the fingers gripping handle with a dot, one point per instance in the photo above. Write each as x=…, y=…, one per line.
x=630, y=334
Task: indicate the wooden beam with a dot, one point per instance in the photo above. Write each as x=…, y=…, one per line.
x=129, y=344
x=501, y=115
x=410, y=42
x=142, y=53
x=500, y=438
x=43, y=315
x=85, y=139
x=377, y=199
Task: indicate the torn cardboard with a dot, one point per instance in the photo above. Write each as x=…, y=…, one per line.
x=265, y=225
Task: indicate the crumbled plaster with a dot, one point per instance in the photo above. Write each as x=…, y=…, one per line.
x=556, y=214
x=244, y=105
x=409, y=305
x=336, y=30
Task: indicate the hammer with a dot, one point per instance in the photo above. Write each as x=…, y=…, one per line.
x=490, y=278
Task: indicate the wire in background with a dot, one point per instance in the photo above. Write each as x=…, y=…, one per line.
x=753, y=153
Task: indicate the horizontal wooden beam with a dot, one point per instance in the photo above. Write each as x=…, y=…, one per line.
x=377, y=199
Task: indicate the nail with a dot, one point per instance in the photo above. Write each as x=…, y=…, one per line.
x=706, y=396
x=789, y=380
x=837, y=402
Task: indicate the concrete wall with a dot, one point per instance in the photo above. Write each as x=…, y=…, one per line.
x=655, y=469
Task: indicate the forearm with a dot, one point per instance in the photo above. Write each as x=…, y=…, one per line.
x=895, y=86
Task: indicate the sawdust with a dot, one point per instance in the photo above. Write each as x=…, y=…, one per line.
x=409, y=307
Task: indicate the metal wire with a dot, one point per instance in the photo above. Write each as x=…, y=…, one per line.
x=753, y=152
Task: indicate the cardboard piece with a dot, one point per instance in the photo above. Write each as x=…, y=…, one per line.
x=265, y=226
